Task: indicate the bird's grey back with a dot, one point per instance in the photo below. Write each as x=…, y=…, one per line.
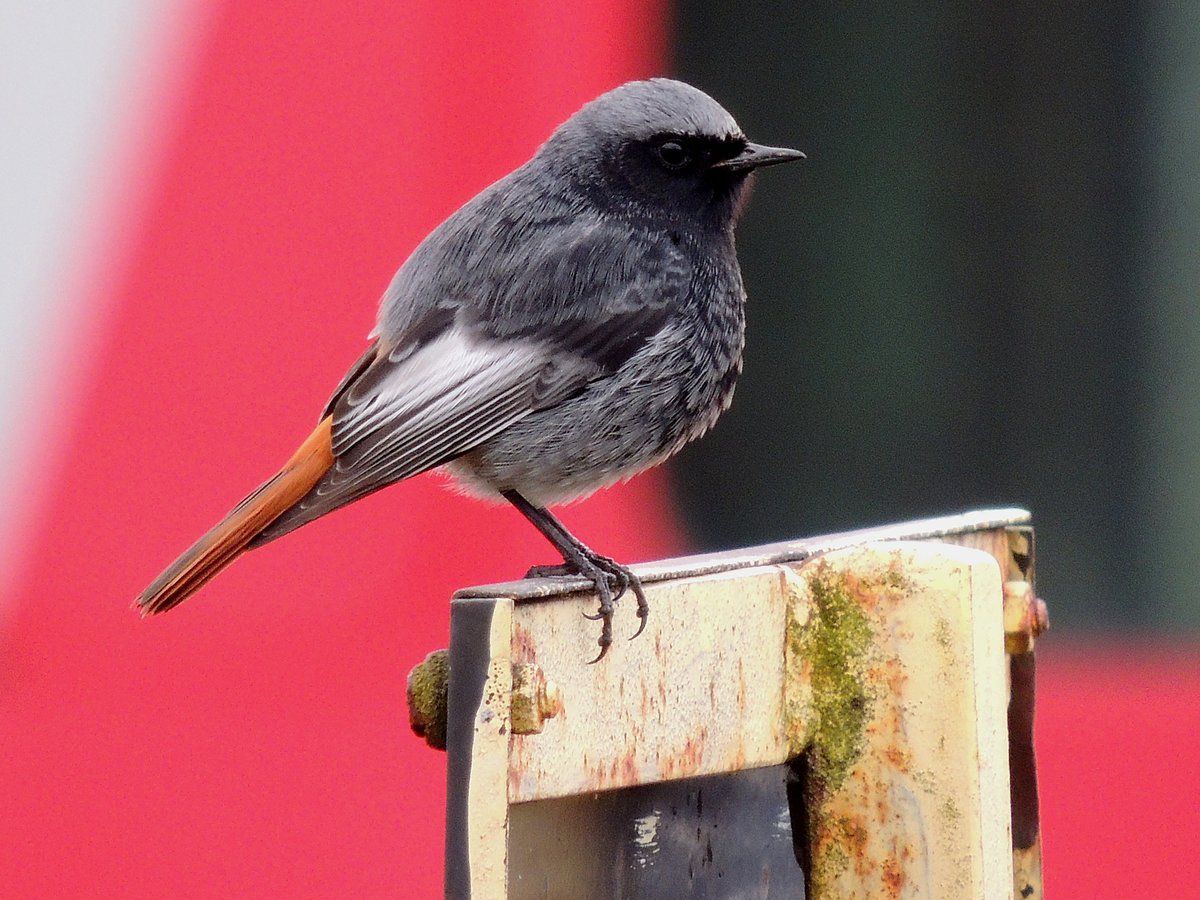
x=536, y=242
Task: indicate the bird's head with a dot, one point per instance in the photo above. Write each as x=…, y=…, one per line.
x=659, y=147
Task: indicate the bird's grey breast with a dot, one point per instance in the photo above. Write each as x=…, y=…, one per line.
x=669, y=319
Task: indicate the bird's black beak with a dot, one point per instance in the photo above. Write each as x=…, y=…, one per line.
x=755, y=156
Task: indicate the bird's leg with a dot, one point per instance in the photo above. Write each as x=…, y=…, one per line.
x=578, y=558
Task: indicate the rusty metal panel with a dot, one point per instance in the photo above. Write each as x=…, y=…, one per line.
x=700, y=691
x=908, y=772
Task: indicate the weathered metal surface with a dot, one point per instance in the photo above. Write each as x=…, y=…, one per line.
x=908, y=768
x=1014, y=550
x=534, y=698
x=876, y=673
x=1022, y=766
x=477, y=740
x=1025, y=617
x=700, y=691
x=1022, y=761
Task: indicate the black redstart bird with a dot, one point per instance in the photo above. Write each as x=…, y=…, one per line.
x=575, y=323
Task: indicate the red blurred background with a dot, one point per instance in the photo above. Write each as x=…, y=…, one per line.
x=277, y=163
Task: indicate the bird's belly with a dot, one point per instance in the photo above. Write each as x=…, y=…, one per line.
x=614, y=429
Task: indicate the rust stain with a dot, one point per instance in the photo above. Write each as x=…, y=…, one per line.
x=1041, y=617
x=739, y=757
x=854, y=839
x=893, y=877
x=897, y=756
x=894, y=677
x=551, y=702
x=524, y=646
x=687, y=760
x=630, y=768
x=623, y=769
x=614, y=773
x=518, y=764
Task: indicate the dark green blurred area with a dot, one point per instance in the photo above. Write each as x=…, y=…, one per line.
x=982, y=287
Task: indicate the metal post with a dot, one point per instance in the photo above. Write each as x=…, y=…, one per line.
x=830, y=714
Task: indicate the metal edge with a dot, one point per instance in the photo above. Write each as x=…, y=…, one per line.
x=764, y=555
x=470, y=643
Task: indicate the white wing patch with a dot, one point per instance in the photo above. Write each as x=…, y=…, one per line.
x=436, y=403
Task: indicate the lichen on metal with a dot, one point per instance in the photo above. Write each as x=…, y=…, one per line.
x=832, y=642
x=900, y=645
x=427, y=683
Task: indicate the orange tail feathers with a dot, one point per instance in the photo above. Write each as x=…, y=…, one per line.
x=227, y=540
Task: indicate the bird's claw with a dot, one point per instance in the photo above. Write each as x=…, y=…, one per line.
x=612, y=582
x=559, y=571
x=643, y=613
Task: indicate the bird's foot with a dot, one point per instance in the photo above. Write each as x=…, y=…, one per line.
x=612, y=581
x=559, y=571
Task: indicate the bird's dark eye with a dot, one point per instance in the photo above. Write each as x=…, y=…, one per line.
x=673, y=155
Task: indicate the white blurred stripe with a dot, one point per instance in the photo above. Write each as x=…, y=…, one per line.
x=83, y=92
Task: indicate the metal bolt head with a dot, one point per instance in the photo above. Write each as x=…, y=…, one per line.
x=534, y=699
x=427, y=691
x=1025, y=617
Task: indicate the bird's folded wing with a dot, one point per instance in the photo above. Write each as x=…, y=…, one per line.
x=428, y=401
